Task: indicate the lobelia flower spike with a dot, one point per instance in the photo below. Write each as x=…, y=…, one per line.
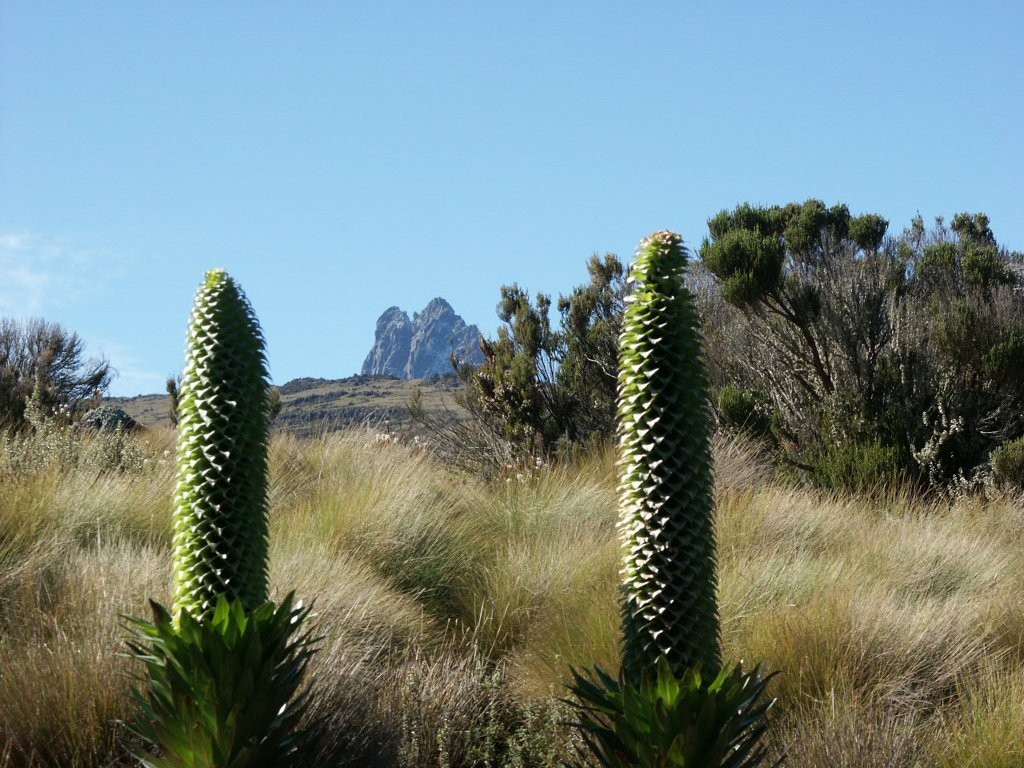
x=225, y=667
x=671, y=706
x=221, y=501
x=666, y=486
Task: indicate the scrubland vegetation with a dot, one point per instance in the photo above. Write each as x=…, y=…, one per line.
x=452, y=608
x=868, y=465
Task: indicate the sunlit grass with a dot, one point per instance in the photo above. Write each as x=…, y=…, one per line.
x=451, y=609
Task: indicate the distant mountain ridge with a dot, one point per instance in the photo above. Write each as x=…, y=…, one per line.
x=421, y=347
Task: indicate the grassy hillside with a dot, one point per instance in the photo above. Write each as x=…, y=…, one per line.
x=312, y=406
x=451, y=609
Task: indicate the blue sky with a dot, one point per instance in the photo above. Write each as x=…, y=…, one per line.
x=338, y=158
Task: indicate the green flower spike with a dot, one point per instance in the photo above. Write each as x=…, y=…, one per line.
x=224, y=671
x=220, y=516
x=671, y=706
x=666, y=488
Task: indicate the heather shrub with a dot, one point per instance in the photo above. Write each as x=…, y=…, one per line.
x=52, y=444
x=547, y=388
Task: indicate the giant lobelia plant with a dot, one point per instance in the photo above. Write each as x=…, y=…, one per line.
x=225, y=664
x=671, y=704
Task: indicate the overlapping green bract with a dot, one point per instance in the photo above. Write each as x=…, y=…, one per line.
x=224, y=671
x=666, y=504
x=220, y=517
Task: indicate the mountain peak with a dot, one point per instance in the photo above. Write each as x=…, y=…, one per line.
x=423, y=346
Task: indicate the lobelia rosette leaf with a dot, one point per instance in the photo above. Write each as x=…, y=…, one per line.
x=669, y=721
x=222, y=692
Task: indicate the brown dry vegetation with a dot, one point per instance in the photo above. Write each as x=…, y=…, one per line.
x=452, y=609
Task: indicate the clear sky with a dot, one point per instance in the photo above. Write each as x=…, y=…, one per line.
x=338, y=157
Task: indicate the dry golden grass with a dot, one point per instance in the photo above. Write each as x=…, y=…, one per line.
x=451, y=609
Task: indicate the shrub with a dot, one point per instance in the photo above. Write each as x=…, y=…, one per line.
x=53, y=444
x=1008, y=464
x=743, y=411
x=45, y=357
x=911, y=342
x=545, y=388
x=854, y=466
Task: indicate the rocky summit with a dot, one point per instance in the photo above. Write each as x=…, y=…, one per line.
x=421, y=347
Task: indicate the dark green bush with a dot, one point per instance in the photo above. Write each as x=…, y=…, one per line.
x=547, y=388
x=744, y=411
x=1008, y=463
x=857, y=466
x=902, y=349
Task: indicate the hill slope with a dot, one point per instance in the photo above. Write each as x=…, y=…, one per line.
x=311, y=406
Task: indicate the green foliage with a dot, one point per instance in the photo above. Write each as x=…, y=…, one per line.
x=1008, y=463
x=543, y=388
x=749, y=264
x=273, y=403
x=591, y=325
x=669, y=721
x=660, y=712
x=868, y=231
x=1003, y=362
x=220, y=517
x=223, y=671
x=222, y=691
x=870, y=351
x=858, y=467
x=666, y=485
x=744, y=411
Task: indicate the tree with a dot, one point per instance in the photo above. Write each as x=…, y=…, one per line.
x=541, y=386
x=856, y=344
x=44, y=356
x=591, y=324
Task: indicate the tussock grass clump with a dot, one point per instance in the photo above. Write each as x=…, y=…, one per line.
x=986, y=725
x=897, y=626
x=63, y=686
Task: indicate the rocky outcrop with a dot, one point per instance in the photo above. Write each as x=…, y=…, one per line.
x=421, y=347
x=107, y=418
x=392, y=341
